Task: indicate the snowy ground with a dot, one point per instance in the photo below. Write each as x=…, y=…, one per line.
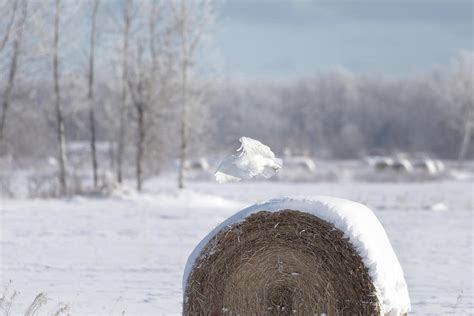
x=106, y=256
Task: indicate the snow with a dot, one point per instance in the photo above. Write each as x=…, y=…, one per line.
x=254, y=159
x=103, y=256
x=359, y=225
x=439, y=207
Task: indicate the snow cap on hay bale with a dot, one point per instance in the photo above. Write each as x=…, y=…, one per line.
x=296, y=256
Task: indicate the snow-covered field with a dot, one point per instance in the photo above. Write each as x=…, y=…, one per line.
x=105, y=256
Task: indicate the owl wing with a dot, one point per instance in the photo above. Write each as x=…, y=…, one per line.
x=253, y=159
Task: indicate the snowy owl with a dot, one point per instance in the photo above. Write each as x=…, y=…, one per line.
x=253, y=159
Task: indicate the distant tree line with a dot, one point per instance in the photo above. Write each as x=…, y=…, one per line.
x=339, y=114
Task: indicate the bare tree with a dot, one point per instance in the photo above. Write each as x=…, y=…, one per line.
x=460, y=87
x=162, y=77
x=467, y=130
x=59, y=112
x=138, y=87
x=149, y=76
x=90, y=94
x=19, y=30
x=127, y=20
x=191, y=20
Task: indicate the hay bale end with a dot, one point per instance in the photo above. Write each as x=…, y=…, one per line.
x=289, y=256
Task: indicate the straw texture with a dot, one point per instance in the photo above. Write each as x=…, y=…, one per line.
x=279, y=263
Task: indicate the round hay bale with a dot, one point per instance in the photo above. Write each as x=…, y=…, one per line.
x=290, y=257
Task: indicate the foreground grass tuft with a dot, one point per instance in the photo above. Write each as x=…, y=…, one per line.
x=8, y=298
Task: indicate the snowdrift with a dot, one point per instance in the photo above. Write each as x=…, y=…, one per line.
x=296, y=256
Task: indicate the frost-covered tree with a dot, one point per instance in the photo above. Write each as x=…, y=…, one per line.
x=62, y=158
x=127, y=7
x=462, y=97
x=150, y=76
x=90, y=93
x=192, y=19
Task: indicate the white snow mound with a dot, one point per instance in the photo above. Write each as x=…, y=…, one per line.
x=253, y=159
x=359, y=225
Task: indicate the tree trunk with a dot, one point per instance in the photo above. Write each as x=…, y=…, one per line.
x=9, y=88
x=184, y=91
x=467, y=133
x=140, y=146
x=13, y=67
x=123, y=101
x=90, y=95
x=184, y=127
x=59, y=114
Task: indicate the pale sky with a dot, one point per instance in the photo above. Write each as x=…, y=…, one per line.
x=289, y=37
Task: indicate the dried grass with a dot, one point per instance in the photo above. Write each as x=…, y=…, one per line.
x=283, y=263
x=39, y=301
x=61, y=309
x=8, y=297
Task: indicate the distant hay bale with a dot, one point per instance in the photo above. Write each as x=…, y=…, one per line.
x=383, y=164
x=279, y=262
x=402, y=165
